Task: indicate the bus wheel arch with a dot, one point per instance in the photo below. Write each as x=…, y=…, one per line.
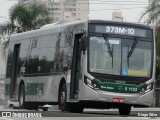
x=62, y=97
x=21, y=95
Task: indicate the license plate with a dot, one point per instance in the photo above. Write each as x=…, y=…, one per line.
x=118, y=100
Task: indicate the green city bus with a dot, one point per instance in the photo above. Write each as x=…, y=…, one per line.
x=82, y=64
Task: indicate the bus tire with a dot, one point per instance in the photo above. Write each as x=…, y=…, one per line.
x=62, y=98
x=21, y=97
x=45, y=109
x=76, y=108
x=125, y=110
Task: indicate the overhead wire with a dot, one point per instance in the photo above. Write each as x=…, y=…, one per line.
x=103, y=9
x=101, y=3
x=114, y=1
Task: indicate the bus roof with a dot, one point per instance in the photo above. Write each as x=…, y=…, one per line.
x=97, y=22
x=56, y=27
x=46, y=29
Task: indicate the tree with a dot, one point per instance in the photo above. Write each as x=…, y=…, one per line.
x=23, y=17
x=6, y=29
x=30, y=16
x=152, y=12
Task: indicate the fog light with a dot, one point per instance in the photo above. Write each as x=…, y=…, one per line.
x=94, y=85
x=147, y=89
x=143, y=90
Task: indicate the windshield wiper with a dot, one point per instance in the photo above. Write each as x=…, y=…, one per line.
x=132, y=49
x=108, y=45
x=110, y=50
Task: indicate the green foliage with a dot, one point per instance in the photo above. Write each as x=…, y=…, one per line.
x=6, y=28
x=30, y=16
x=24, y=17
x=152, y=12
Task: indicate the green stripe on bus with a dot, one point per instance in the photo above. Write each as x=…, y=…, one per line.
x=31, y=89
x=119, y=87
x=34, y=88
x=7, y=89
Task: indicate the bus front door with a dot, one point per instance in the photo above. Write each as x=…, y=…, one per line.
x=76, y=69
x=14, y=70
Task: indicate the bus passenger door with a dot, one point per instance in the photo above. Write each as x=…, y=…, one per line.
x=76, y=69
x=14, y=70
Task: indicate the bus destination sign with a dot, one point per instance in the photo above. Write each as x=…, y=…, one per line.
x=120, y=30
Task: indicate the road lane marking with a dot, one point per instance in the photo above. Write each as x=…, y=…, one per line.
x=3, y=118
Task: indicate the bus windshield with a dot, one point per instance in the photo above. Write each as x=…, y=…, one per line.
x=122, y=61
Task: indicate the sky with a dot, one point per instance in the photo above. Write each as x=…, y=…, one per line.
x=131, y=9
x=4, y=9
x=99, y=9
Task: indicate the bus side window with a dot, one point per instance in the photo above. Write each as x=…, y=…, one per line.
x=22, y=61
x=42, y=60
x=63, y=50
x=51, y=53
x=9, y=61
x=32, y=57
x=43, y=54
x=33, y=61
x=50, y=59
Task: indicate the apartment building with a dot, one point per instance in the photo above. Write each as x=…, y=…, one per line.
x=117, y=16
x=156, y=1
x=62, y=10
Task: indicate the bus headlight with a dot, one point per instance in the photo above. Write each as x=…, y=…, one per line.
x=146, y=89
x=91, y=83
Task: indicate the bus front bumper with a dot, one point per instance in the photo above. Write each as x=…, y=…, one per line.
x=135, y=99
x=88, y=94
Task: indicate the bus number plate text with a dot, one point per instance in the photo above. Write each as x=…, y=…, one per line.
x=120, y=30
x=118, y=100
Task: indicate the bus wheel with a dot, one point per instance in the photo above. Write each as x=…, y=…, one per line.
x=45, y=109
x=62, y=98
x=125, y=110
x=76, y=108
x=21, y=97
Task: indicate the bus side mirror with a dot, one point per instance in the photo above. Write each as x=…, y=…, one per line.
x=83, y=43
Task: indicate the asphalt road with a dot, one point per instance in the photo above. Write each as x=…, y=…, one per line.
x=88, y=114
x=78, y=118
